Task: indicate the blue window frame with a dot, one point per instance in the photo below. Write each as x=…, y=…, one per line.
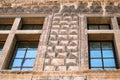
x=24, y=56
x=102, y=55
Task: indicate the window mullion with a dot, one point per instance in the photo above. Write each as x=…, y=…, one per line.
x=24, y=58
x=102, y=55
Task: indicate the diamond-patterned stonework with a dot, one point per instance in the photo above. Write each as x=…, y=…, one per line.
x=62, y=51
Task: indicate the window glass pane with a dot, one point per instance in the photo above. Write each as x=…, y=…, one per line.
x=2, y=27
x=109, y=62
x=31, y=53
x=96, y=63
x=106, y=45
x=95, y=54
x=33, y=45
x=93, y=27
x=27, y=27
x=28, y=62
x=0, y=50
x=1, y=46
x=107, y=53
x=25, y=55
x=22, y=45
x=5, y=27
x=27, y=68
x=20, y=53
x=104, y=27
x=15, y=69
x=32, y=27
x=37, y=27
x=94, y=46
x=17, y=62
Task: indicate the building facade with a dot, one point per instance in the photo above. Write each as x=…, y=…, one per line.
x=59, y=40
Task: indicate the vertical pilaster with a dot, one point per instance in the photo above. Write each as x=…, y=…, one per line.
x=84, y=44
x=115, y=26
x=114, y=23
x=39, y=63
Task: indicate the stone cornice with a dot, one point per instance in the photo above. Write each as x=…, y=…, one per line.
x=53, y=6
x=63, y=72
x=54, y=9
x=58, y=2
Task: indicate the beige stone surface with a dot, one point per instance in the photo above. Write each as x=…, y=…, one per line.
x=63, y=41
x=57, y=62
x=49, y=68
x=71, y=62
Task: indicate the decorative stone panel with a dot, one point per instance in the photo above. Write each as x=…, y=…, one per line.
x=63, y=43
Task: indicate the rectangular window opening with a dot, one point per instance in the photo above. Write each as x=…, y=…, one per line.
x=98, y=23
x=24, y=56
x=32, y=23
x=102, y=55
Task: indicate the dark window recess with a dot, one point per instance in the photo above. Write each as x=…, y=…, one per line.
x=32, y=26
x=1, y=46
x=5, y=27
x=24, y=56
x=119, y=26
x=99, y=27
x=102, y=55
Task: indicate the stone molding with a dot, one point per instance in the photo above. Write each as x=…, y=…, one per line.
x=56, y=9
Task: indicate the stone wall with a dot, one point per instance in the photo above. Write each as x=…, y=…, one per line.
x=63, y=43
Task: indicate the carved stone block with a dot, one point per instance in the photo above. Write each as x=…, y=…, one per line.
x=62, y=55
x=53, y=37
x=63, y=43
x=57, y=62
x=71, y=62
x=61, y=68
x=59, y=49
x=96, y=8
x=73, y=37
x=49, y=68
x=47, y=61
x=50, y=49
x=73, y=68
x=50, y=55
x=53, y=43
x=72, y=48
x=74, y=55
x=110, y=9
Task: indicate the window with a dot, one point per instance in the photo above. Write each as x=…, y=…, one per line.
x=101, y=55
x=24, y=56
x=5, y=27
x=32, y=26
x=98, y=27
x=1, y=46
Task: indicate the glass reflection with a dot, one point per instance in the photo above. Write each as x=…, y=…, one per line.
x=96, y=62
x=95, y=54
x=101, y=55
x=25, y=54
x=17, y=62
x=109, y=62
x=28, y=62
